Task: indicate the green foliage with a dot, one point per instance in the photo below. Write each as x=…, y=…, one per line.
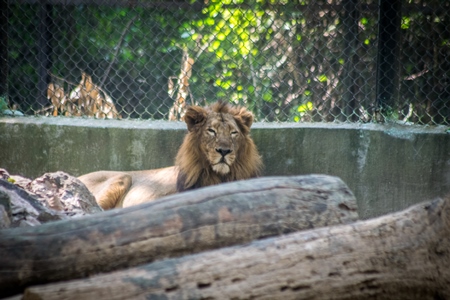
x=303, y=110
x=285, y=60
x=3, y=104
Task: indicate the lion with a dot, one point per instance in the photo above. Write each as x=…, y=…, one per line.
x=216, y=149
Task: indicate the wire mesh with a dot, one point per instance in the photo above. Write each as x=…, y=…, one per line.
x=296, y=61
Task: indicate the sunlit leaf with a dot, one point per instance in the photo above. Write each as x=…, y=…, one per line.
x=405, y=22
x=221, y=36
x=209, y=21
x=267, y=96
x=219, y=53
x=305, y=107
x=220, y=25
x=215, y=45
x=234, y=20
x=322, y=78
x=226, y=84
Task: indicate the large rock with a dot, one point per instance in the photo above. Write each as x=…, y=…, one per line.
x=20, y=209
x=53, y=196
x=65, y=193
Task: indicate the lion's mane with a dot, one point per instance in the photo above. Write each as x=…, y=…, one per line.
x=194, y=169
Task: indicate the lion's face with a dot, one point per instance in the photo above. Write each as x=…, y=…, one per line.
x=220, y=141
x=218, y=147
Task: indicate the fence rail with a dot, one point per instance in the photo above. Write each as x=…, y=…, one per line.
x=296, y=61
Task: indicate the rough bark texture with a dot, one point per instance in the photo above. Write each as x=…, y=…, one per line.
x=184, y=223
x=400, y=256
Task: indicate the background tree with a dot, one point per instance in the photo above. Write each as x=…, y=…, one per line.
x=285, y=60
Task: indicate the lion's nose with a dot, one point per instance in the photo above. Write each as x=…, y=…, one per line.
x=223, y=151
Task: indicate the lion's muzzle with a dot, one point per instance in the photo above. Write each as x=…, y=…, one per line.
x=223, y=151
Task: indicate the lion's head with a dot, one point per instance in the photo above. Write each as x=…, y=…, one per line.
x=218, y=147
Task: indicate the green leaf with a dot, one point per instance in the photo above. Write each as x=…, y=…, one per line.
x=405, y=22
x=322, y=78
x=220, y=36
x=308, y=106
x=267, y=96
x=209, y=21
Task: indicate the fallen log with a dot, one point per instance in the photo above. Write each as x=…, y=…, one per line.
x=405, y=255
x=180, y=224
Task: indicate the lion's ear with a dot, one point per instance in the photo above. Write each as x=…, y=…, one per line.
x=245, y=118
x=194, y=115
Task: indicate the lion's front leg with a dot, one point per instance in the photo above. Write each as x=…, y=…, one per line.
x=109, y=188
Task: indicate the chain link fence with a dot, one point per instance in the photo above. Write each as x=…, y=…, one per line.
x=296, y=61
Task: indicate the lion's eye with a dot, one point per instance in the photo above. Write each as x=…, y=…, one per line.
x=234, y=133
x=211, y=131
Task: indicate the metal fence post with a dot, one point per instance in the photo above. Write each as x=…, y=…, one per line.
x=44, y=52
x=389, y=42
x=4, y=48
x=350, y=23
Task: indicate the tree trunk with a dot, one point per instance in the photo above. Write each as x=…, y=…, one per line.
x=399, y=256
x=180, y=224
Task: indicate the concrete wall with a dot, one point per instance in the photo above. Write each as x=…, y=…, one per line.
x=388, y=167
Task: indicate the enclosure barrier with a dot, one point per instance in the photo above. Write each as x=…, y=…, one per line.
x=388, y=167
x=297, y=61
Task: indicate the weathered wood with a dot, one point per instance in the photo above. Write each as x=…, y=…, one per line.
x=184, y=223
x=400, y=256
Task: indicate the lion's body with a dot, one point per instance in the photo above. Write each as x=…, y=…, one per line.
x=115, y=189
x=217, y=148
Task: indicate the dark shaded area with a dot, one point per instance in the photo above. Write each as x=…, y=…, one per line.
x=389, y=43
x=4, y=14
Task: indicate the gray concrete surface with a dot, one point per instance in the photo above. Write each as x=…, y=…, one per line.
x=388, y=167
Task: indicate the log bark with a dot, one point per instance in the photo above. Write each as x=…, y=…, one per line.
x=190, y=222
x=405, y=255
